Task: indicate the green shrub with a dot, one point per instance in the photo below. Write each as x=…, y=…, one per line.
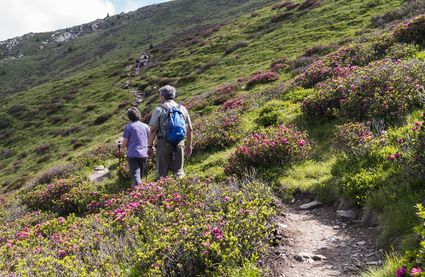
x=187, y=227
x=353, y=138
x=402, y=51
x=385, y=89
x=338, y=63
x=220, y=128
x=272, y=147
x=62, y=196
x=270, y=114
x=412, y=31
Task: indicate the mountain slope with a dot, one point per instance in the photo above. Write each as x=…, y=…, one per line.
x=311, y=97
x=63, y=113
x=39, y=58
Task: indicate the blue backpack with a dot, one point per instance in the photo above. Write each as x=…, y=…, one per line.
x=176, y=126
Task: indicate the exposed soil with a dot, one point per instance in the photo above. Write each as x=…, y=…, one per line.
x=320, y=243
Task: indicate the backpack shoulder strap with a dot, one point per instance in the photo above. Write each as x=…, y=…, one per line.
x=162, y=106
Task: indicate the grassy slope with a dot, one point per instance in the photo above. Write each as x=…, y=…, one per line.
x=124, y=36
x=98, y=87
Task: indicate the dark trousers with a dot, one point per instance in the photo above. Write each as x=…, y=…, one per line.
x=137, y=169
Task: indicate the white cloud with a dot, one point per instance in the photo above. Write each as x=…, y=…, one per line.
x=18, y=17
x=131, y=5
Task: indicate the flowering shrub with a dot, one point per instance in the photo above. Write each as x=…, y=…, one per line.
x=338, y=63
x=388, y=163
x=385, y=89
x=412, y=31
x=414, y=260
x=224, y=93
x=353, y=138
x=274, y=146
x=63, y=196
x=419, y=147
x=187, y=227
x=196, y=103
x=262, y=78
x=218, y=129
x=59, y=171
x=279, y=65
x=217, y=97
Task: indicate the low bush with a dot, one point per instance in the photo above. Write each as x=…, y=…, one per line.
x=102, y=119
x=309, y=4
x=385, y=89
x=353, y=138
x=6, y=153
x=406, y=10
x=319, y=50
x=275, y=146
x=234, y=47
x=280, y=64
x=281, y=17
x=401, y=51
x=217, y=130
x=337, y=63
x=18, y=110
x=62, y=196
x=415, y=259
x=281, y=5
x=166, y=228
x=419, y=147
x=42, y=149
x=412, y=31
x=4, y=123
x=55, y=172
x=270, y=114
x=387, y=166
x=262, y=78
x=223, y=94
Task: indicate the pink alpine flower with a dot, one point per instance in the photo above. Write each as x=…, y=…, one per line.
x=415, y=271
x=401, y=272
x=301, y=142
x=61, y=254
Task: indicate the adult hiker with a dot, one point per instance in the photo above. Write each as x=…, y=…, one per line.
x=145, y=59
x=136, y=135
x=138, y=63
x=170, y=124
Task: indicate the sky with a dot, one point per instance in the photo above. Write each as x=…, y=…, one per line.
x=19, y=17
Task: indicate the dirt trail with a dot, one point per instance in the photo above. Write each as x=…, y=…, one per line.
x=319, y=243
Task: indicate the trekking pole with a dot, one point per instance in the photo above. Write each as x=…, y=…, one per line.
x=147, y=169
x=120, y=168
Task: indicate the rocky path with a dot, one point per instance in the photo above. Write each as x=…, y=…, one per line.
x=318, y=243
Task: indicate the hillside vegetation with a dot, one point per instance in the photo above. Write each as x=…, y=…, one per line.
x=44, y=57
x=325, y=97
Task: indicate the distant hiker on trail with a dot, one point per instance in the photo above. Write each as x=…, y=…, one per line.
x=138, y=64
x=170, y=124
x=136, y=135
x=145, y=59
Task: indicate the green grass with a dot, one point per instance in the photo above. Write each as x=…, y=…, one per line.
x=307, y=176
x=97, y=87
x=387, y=270
x=83, y=92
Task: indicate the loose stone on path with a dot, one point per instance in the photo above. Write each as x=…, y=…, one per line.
x=311, y=205
x=99, y=174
